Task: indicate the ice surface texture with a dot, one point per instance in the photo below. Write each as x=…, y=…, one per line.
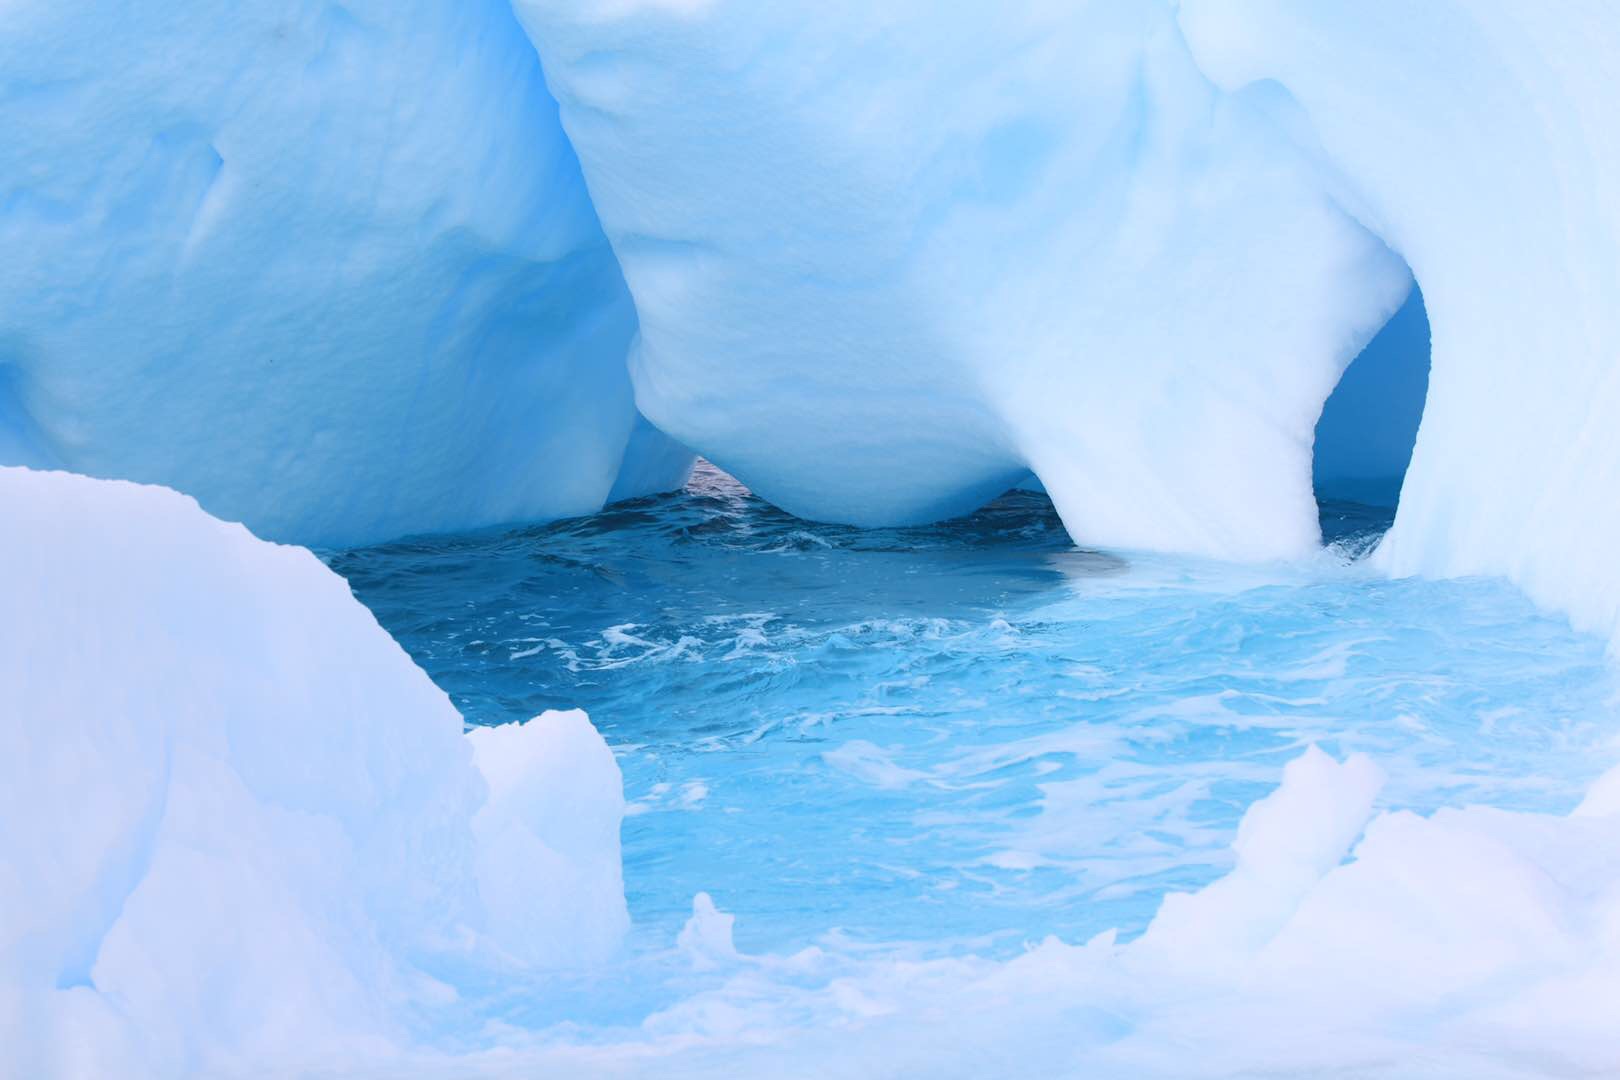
x=331, y=269
x=237, y=823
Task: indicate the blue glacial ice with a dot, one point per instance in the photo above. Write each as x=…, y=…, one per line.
x=330, y=269
x=348, y=272
x=1476, y=139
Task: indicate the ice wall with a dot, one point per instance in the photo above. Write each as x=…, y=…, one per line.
x=1481, y=141
x=885, y=261
x=329, y=268
x=240, y=832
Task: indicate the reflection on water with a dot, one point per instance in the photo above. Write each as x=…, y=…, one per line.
x=971, y=734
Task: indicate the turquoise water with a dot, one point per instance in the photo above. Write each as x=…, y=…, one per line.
x=966, y=736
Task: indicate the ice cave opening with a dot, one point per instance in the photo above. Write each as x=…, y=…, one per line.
x=1369, y=424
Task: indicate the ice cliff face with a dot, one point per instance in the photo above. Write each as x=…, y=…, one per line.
x=329, y=268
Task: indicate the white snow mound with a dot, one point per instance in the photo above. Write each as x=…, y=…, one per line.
x=237, y=824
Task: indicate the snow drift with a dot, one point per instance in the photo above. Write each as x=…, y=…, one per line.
x=330, y=269
x=237, y=824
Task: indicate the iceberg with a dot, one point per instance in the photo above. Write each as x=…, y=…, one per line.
x=329, y=269
x=239, y=823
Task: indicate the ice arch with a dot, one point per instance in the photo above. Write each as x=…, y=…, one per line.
x=885, y=261
x=882, y=259
x=1364, y=437
x=1479, y=141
